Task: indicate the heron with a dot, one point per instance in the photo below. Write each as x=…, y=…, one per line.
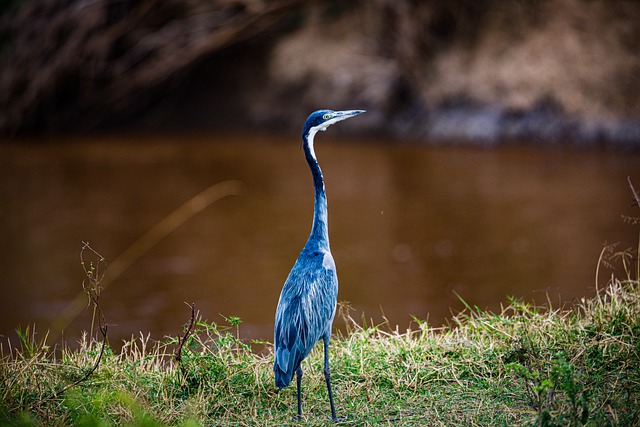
x=307, y=303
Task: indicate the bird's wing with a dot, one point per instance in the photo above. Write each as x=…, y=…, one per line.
x=305, y=312
x=292, y=342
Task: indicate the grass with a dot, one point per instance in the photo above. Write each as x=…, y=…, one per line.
x=524, y=366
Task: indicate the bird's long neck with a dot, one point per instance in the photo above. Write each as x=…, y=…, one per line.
x=320, y=229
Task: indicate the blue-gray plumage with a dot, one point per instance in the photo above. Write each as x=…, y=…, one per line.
x=307, y=303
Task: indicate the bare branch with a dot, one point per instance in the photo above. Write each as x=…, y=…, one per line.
x=94, y=271
x=636, y=195
x=188, y=330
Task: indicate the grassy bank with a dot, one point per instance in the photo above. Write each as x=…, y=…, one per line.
x=524, y=366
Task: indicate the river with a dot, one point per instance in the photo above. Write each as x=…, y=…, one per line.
x=414, y=229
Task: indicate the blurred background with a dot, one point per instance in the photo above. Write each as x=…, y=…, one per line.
x=492, y=161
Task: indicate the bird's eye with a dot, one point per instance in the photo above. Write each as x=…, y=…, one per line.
x=326, y=116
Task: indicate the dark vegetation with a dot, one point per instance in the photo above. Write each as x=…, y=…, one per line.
x=483, y=71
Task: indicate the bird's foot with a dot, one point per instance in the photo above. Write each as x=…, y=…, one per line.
x=339, y=419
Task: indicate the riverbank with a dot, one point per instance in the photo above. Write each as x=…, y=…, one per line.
x=523, y=366
x=548, y=72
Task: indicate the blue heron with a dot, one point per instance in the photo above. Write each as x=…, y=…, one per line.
x=307, y=303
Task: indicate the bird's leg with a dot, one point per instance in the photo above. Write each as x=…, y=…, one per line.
x=299, y=384
x=327, y=377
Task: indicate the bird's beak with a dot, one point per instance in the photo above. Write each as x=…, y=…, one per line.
x=341, y=115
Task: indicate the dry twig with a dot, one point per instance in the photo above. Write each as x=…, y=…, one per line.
x=94, y=271
x=188, y=330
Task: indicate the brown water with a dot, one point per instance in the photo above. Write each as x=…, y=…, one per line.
x=410, y=227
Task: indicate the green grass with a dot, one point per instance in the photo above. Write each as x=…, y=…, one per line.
x=524, y=366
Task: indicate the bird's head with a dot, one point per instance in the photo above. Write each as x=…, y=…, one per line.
x=320, y=120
